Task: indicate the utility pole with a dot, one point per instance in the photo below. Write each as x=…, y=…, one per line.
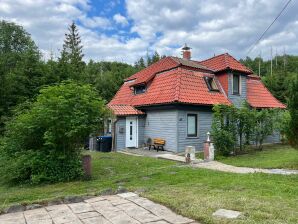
x=275, y=57
x=260, y=56
x=271, y=60
x=284, y=59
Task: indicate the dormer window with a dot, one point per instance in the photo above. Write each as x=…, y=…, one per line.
x=211, y=84
x=139, y=89
x=236, y=84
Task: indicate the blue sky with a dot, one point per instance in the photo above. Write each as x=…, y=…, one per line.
x=125, y=30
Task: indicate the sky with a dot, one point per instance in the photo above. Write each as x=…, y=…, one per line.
x=119, y=30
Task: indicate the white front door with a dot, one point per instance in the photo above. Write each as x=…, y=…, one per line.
x=132, y=132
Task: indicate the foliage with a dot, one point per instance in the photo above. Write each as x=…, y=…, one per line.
x=284, y=68
x=20, y=68
x=223, y=129
x=292, y=131
x=233, y=127
x=149, y=60
x=107, y=77
x=263, y=125
x=71, y=59
x=43, y=143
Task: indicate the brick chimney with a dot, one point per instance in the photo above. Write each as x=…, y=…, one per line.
x=186, y=52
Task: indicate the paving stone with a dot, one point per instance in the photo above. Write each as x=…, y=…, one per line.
x=116, y=200
x=36, y=214
x=86, y=215
x=105, y=207
x=127, y=195
x=41, y=221
x=13, y=218
x=91, y=200
x=121, y=217
x=81, y=207
x=63, y=215
x=125, y=208
x=158, y=222
x=160, y=211
x=224, y=213
x=138, y=213
x=96, y=220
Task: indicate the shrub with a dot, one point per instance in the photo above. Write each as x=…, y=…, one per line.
x=223, y=129
x=43, y=142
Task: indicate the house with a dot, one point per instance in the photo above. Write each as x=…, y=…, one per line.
x=173, y=98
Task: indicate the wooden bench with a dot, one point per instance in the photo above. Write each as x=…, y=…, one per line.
x=158, y=144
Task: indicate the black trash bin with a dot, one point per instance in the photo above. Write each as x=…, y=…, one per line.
x=104, y=143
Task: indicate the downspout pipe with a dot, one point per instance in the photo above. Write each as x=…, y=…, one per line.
x=114, y=135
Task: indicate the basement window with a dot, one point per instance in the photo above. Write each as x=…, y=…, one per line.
x=139, y=89
x=211, y=84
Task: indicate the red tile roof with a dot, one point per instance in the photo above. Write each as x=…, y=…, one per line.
x=223, y=62
x=258, y=96
x=177, y=85
x=176, y=80
x=164, y=64
x=122, y=110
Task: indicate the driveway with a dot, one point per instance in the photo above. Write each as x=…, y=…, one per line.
x=126, y=208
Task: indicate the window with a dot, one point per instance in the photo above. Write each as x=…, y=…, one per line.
x=211, y=84
x=140, y=89
x=236, y=84
x=192, y=125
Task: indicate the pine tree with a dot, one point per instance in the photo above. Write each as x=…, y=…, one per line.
x=71, y=60
x=155, y=57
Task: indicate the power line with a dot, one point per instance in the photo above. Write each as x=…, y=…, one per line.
x=263, y=34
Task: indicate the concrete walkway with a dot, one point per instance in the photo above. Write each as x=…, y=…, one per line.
x=215, y=165
x=126, y=208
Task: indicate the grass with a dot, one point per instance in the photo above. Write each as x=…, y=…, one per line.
x=195, y=193
x=272, y=156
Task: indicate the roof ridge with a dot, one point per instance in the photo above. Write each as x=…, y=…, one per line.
x=226, y=53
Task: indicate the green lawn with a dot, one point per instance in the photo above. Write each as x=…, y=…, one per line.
x=195, y=193
x=272, y=156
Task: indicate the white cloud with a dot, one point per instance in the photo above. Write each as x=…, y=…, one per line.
x=209, y=26
x=95, y=22
x=119, y=19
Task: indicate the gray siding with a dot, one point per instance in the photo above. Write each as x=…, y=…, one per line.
x=274, y=138
x=204, y=125
x=141, y=131
x=237, y=99
x=162, y=124
x=120, y=137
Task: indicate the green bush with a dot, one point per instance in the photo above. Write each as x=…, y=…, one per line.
x=233, y=127
x=43, y=142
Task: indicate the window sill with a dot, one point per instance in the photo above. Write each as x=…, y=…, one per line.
x=195, y=137
x=236, y=94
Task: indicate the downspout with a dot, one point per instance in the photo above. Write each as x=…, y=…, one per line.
x=114, y=135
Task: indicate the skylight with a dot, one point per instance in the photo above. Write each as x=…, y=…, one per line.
x=211, y=84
